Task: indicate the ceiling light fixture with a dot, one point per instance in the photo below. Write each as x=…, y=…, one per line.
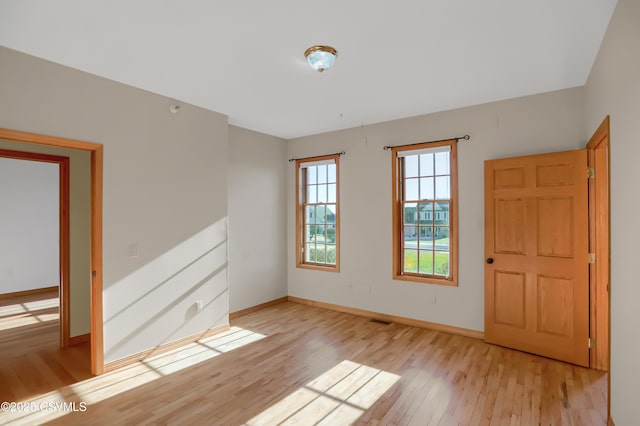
x=321, y=58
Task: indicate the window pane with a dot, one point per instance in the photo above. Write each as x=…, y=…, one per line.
x=331, y=213
x=426, y=165
x=442, y=163
x=320, y=253
x=410, y=261
x=309, y=232
x=442, y=209
x=426, y=188
x=410, y=213
x=332, y=193
x=331, y=234
x=425, y=213
x=309, y=252
x=310, y=214
x=411, y=189
x=441, y=237
x=410, y=237
x=426, y=262
x=322, y=173
x=442, y=264
x=322, y=193
x=332, y=173
x=411, y=166
x=320, y=233
x=312, y=196
x=331, y=254
x=442, y=187
x=320, y=214
x=311, y=174
x=425, y=237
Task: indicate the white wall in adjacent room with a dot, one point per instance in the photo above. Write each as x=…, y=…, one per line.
x=29, y=225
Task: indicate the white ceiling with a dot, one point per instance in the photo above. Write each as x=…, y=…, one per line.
x=244, y=58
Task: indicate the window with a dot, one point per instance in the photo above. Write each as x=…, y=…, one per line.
x=317, y=213
x=425, y=213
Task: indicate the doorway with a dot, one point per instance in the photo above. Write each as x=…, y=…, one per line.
x=96, y=152
x=547, y=253
x=63, y=250
x=536, y=246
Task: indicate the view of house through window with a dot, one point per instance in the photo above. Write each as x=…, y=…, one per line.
x=424, y=207
x=317, y=212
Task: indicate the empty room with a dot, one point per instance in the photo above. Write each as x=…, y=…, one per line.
x=265, y=213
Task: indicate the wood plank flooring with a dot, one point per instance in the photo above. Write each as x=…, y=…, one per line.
x=31, y=361
x=292, y=363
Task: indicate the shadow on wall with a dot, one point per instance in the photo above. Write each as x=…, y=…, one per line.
x=181, y=292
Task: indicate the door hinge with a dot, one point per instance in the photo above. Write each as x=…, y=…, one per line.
x=591, y=258
x=591, y=173
x=590, y=342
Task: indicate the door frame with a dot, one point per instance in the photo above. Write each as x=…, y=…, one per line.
x=599, y=243
x=63, y=231
x=96, y=150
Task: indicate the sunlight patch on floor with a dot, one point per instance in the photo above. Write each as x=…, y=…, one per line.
x=28, y=307
x=41, y=304
x=96, y=389
x=202, y=350
x=338, y=396
x=28, y=313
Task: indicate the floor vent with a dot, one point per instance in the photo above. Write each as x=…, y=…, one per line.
x=380, y=321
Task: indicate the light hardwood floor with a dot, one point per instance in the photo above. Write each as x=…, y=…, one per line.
x=292, y=363
x=31, y=361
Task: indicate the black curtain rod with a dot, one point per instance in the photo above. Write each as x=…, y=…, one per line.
x=465, y=137
x=291, y=160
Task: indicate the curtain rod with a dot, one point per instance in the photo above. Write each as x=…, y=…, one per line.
x=465, y=137
x=291, y=160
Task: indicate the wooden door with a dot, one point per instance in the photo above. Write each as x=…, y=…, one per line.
x=536, y=246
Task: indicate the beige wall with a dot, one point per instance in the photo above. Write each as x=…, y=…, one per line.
x=613, y=89
x=257, y=218
x=534, y=124
x=165, y=189
x=79, y=232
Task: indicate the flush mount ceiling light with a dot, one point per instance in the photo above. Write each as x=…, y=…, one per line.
x=321, y=57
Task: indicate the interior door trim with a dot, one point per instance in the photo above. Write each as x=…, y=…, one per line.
x=63, y=231
x=96, y=150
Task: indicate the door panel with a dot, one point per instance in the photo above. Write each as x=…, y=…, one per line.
x=555, y=227
x=536, y=232
x=509, y=226
x=509, y=288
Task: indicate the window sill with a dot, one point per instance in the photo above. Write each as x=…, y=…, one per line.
x=426, y=280
x=318, y=267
